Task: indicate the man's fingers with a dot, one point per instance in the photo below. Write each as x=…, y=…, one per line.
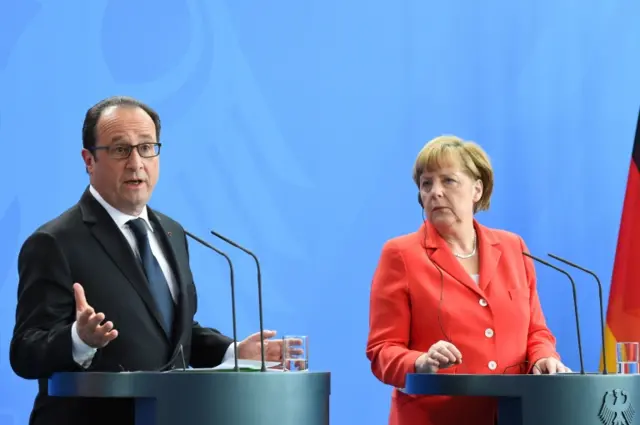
x=81, y=300
x=90, y=326
x=256, y=336
x=110, y=336
x=104, y=329
x=84, y=317
x=267, y=334
x=106, y=337
x=95, y=321
x=100, y=335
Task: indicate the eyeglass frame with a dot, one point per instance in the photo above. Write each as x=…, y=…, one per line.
x=130, y=148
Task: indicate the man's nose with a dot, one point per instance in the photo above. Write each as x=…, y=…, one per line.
x=135, y=160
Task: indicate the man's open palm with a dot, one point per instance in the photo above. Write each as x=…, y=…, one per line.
x=89, y=325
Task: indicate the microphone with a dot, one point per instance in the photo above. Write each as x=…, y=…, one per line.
x=245, y=250
x=569, y=263
x=233, y=295
x=179, y=352
x=575, y=302
x=184, y=363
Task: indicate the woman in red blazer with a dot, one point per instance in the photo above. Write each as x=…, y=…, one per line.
x=455, y=296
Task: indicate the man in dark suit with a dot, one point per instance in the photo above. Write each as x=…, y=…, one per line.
x=107, y=286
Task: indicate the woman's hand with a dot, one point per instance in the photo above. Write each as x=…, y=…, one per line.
x=441, y=355
x=549, y=366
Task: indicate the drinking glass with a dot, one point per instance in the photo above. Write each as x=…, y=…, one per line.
x=295, y=353
x=628, y=357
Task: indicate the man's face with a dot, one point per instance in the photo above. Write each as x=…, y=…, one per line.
x=124, y=180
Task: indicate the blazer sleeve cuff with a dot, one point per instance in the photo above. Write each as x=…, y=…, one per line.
x=396, y=374
x=82, y=353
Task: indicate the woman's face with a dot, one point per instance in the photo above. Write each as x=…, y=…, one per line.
x=448, y=195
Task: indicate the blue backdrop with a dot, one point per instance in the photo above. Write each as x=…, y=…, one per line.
x=292, y=128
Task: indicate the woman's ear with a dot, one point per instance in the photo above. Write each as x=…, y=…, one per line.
x=478, y=190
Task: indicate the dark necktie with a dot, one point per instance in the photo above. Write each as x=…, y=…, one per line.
x=157, y=282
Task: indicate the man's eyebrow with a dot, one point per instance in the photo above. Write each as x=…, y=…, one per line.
x=120, y=138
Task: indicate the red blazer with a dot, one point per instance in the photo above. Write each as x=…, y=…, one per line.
x=496, y=324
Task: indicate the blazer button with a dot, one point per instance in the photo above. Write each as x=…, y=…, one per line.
x=483, y=302
x=488, y=333
x=492, y=365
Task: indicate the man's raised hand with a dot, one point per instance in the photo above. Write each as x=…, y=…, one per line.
x=89, y=324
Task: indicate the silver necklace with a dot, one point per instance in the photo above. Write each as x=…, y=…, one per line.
x=471, y=254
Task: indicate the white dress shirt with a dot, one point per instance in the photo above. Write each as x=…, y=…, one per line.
x=82, y=353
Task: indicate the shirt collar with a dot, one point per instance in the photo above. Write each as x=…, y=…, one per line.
x=118, y=216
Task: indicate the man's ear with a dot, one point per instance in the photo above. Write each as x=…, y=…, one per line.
x=88, y=159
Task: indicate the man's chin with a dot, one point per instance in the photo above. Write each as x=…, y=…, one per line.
x=135, y=202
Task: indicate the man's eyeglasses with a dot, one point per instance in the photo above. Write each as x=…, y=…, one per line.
x=123, y=151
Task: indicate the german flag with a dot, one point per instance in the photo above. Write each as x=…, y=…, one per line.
x=623, y=312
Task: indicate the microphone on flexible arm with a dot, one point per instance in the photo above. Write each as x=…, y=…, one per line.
x=569, y=263
x=233, y=295
x=575, y=302
x=184, y=363
x=245, y=250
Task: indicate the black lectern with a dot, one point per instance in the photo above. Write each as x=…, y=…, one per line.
x=201, y=396
x=564, y=399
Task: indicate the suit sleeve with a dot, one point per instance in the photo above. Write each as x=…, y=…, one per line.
x=540, y=342
x=389, y=320
x=208, y=345
x=41, y=344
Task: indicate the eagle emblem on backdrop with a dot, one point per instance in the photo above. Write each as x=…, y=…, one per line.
x=616, y=408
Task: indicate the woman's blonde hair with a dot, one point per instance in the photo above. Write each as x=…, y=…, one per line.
x=451, y=150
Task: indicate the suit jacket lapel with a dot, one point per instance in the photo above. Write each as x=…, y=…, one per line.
x=167, y=242
x=105, y=230
x=490, y=252
x=442, y=256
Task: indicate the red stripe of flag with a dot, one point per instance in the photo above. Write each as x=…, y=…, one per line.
x=623, y=312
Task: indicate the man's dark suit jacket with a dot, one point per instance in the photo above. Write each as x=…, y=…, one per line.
x=84, y=245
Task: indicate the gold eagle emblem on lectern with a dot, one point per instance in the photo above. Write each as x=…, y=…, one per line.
x=616, y=408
